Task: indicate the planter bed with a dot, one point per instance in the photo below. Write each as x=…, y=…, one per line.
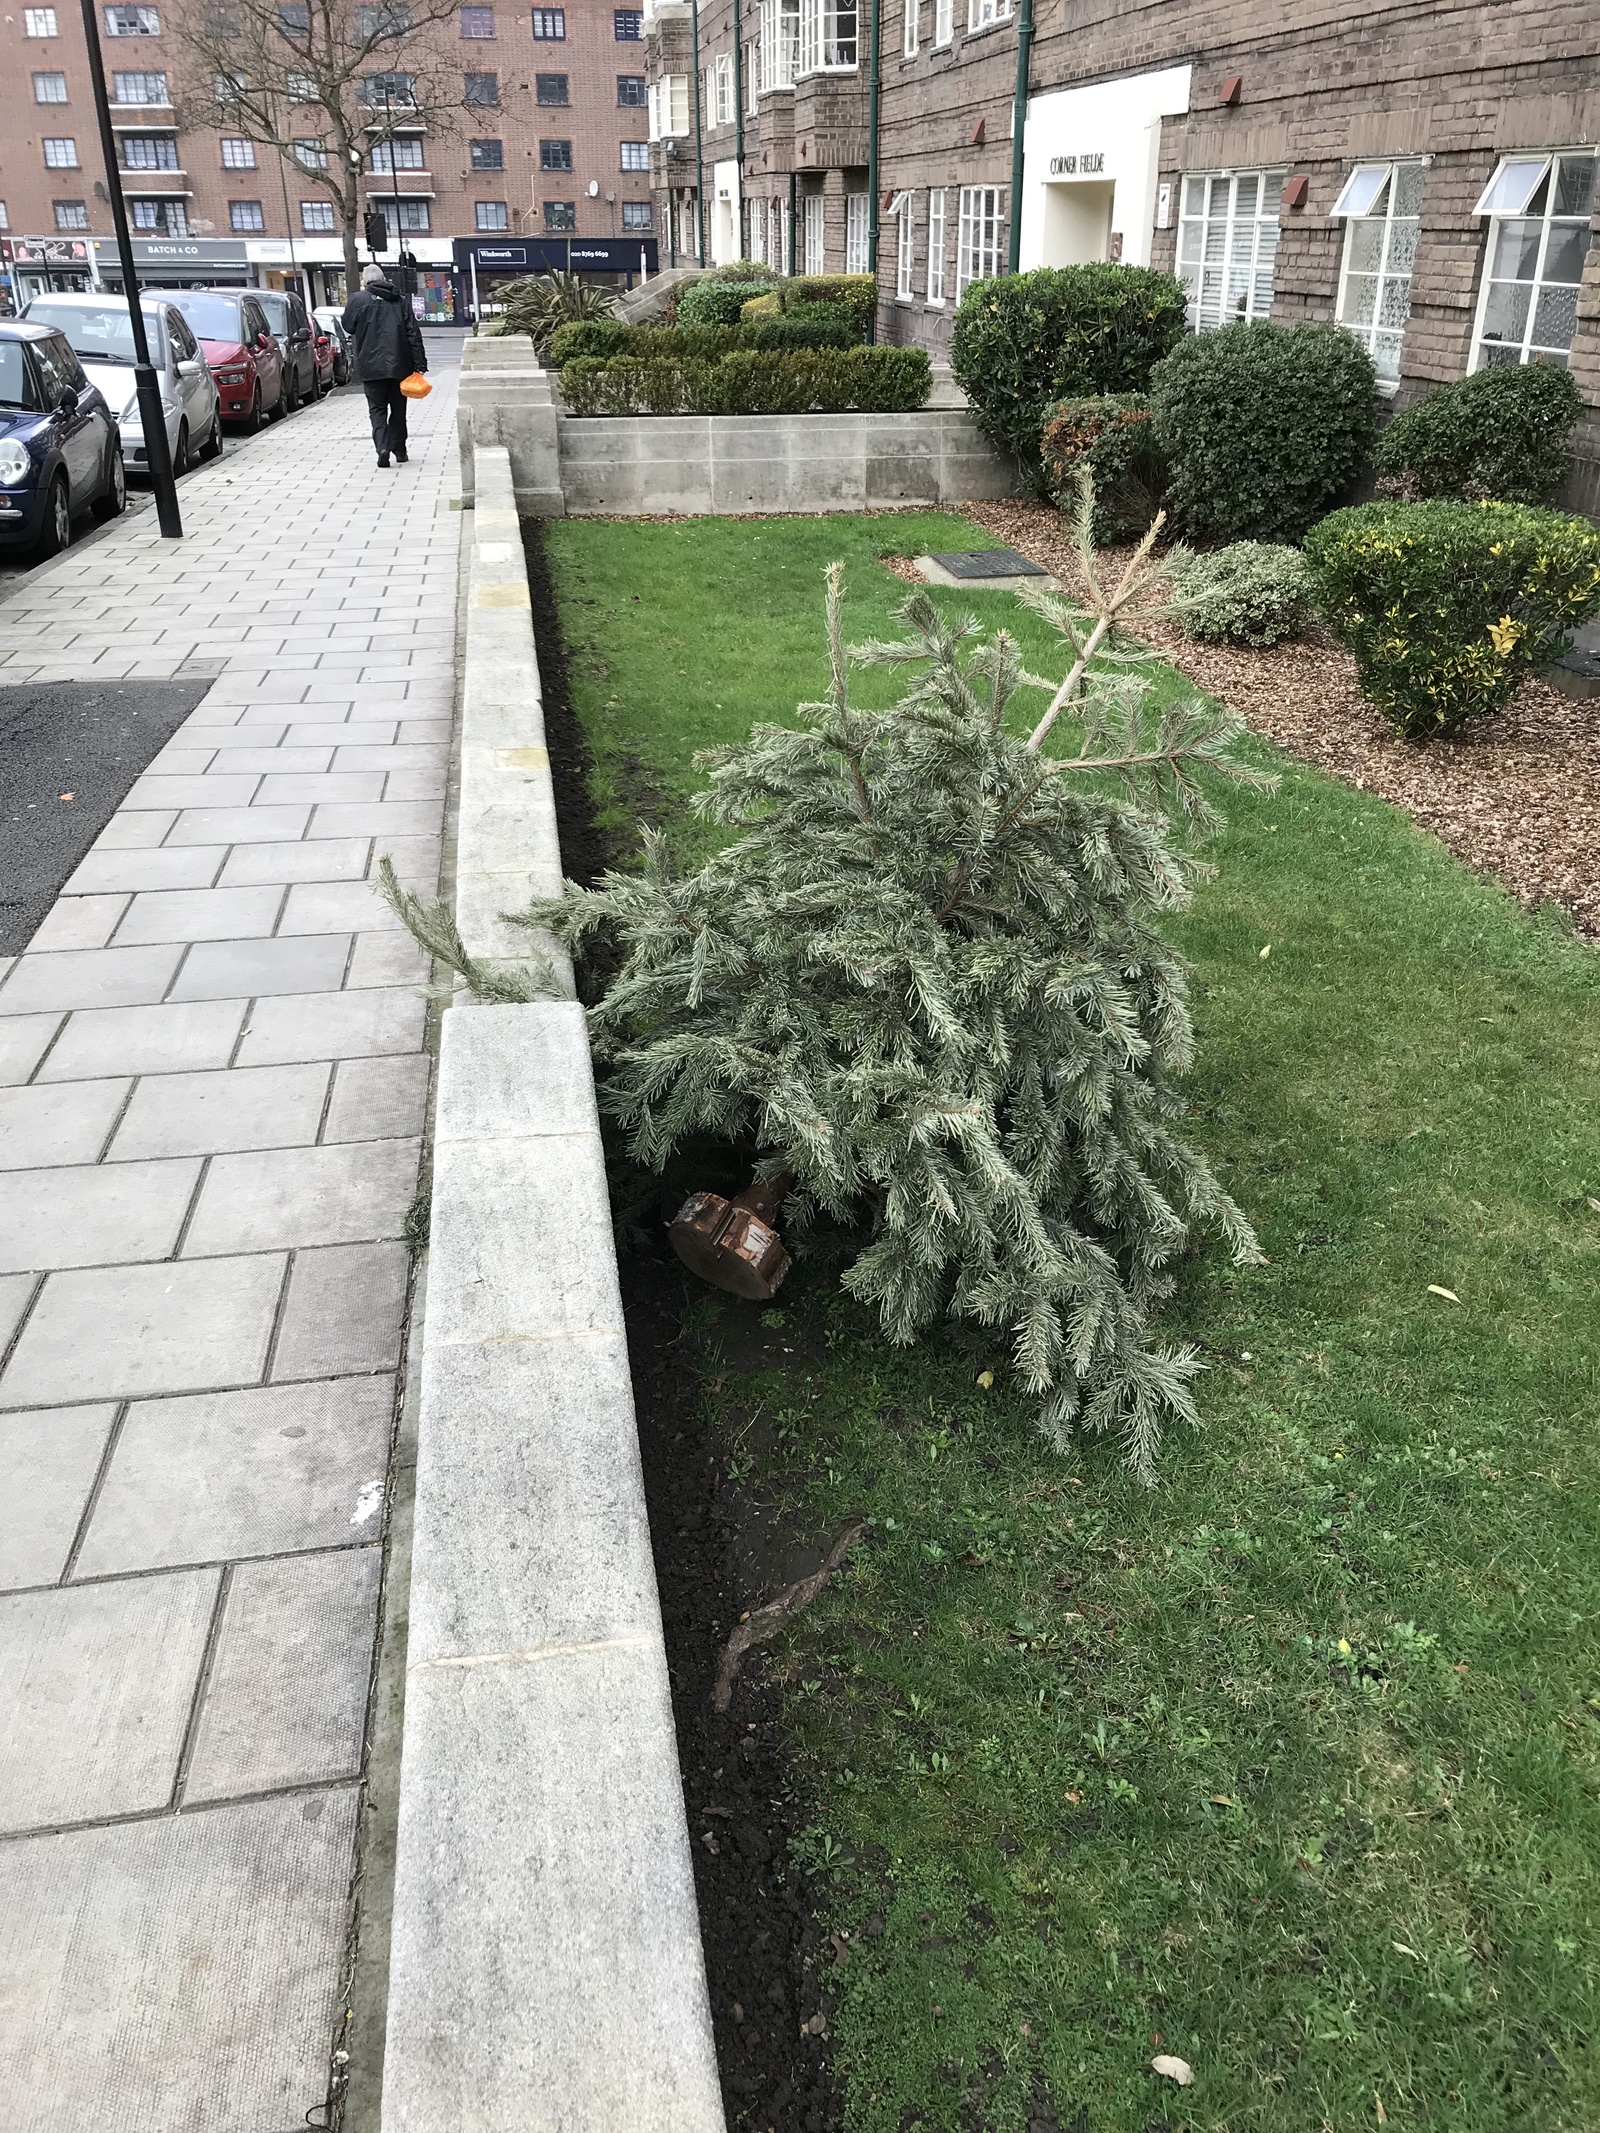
x=1288, y=1769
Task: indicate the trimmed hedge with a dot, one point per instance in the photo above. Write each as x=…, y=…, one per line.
x=716, y=303
x=751, y=382
x=1024, y=341
x=1253, y=593
x=609, y=337
x=1448, y=606
x=1504, y=433
x=1111, y=435
x=1263, y=426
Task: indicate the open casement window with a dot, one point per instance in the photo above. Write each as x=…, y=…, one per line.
x=1227, y=241
x=828, y=36
x=981, y=234
x=816, y=245
x=1538, y=209
x=857, y=209
x=780, y=44
x=936, y=246
x=721, y=98
x=903, y=209
x=669, y=107
x=1382, y=206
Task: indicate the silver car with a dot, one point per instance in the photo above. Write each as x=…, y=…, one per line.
x=100, y=329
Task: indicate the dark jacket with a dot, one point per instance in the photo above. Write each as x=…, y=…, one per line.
x=388, y=339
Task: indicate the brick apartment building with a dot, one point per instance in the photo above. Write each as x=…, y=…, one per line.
x=1425, y=174
x=546, y=156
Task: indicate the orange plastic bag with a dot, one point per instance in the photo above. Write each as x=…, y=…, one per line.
x=416, y=387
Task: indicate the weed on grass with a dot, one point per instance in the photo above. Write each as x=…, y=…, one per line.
x=1289, y=1769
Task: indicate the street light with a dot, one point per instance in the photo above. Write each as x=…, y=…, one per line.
x=152, y=416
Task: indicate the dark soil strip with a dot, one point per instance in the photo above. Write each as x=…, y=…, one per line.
x=767, y=1956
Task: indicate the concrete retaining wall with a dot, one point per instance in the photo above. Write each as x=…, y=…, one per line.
x=546, y=1973
x=601, y=465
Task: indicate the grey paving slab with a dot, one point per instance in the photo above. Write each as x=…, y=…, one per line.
x=181, y=1973
x=166, y=1328
x=97, y=1683
x=210, y=790
x=131, y=832
x=15, y=1289
x=387, y=959
x=220, y=970
x=23, y=1042
x=50, y=1458
x=238, y=825
x=378, y=818
x=286, y=1700
x=404, y=785
x=328, y=859
x=378, y=1099
x=210, y=1114
x=277, y=762
x=78, y=922
x=93, y=1216
x=352, y=785
x=189, y=866
x=292, y=1197
x=67, y=1122
x=337, y=907
x=232, y=914
x=345, y=1311
x=89, y=977
x=144, y=1040
x=323, y=730
x=333, y=1025
x=231, y=1474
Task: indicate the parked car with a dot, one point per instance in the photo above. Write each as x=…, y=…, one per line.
x=291, y=324
x=327, y=355
x=242, y=350
x=100, y=329
x=59, y=447
x=331, y=319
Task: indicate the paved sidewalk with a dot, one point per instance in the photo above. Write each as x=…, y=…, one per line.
x=212, y=1093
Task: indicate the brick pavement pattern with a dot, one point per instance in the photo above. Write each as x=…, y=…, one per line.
x=212, y=1095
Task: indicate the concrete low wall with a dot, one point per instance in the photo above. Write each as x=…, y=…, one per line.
x=546, y=1973
x=565, y=465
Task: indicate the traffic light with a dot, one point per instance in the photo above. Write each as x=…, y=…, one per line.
x=377, y=230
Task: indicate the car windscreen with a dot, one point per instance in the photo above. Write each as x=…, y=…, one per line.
x=276, y=308
x=16, y=388
x=99, y=333
x=214, y=318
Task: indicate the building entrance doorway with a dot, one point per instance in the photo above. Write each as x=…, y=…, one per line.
x=1077, y=222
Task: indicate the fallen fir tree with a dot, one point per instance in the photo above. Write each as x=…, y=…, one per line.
x=927, y=982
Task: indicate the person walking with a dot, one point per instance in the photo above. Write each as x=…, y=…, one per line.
x=388, y=348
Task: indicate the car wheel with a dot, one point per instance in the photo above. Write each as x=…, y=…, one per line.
x=212, y=448
x=341, y=372
x=57, y=528
x=114, y=501
x=180, y=451
x=252, y=421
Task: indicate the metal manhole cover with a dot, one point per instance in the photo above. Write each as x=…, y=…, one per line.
x=990, y=563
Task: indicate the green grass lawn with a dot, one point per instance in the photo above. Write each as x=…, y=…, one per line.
x=1289, y=1768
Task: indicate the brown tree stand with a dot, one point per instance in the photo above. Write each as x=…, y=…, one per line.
x=733, y=1244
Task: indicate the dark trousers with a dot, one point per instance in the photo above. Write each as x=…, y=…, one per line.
x=386, y=404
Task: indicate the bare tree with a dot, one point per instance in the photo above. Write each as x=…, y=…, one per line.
x=328, y=84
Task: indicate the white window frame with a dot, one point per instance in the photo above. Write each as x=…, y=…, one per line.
x=667, y=107
x=752, y=77
x=39, y=22
x=909, y=28
x=237, y=152
x=1241, y=249
x=640, y=162
x=982, y=234
x=721, y=98
x=830, y=37
x=857, y=232
x=1368, y=196
x=1497, y=204
x=944, y=23
x=936, y=242
x=904, y=209
x=61, y=152
x=780, y=44
x=144, y=76
x=148, y=24
x=778, y=235
x=984, y=14
x=816, y=234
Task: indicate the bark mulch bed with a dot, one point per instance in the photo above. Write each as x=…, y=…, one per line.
x=1519, y=799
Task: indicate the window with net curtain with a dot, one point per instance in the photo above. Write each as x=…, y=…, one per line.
x=828, y=37
x=856, y=217
x=780, y=43
x=1381, y=204
x=1227, y=242
x=636, y=214
x=1538, y=209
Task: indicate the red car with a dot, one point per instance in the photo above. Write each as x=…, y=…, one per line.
x=245, y=355
x=326, y=354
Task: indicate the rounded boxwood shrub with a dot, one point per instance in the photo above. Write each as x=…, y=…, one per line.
x=586, y=337
x=1503, y=434
x=1111, y=435
x=1254, y=593
x=1263, y=427
x=717, y=303
x=1448, y=606
x=1024, y=341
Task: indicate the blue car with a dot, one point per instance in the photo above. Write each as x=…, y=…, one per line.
x=59, y=448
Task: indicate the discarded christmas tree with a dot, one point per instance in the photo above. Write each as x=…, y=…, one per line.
x=927, y=981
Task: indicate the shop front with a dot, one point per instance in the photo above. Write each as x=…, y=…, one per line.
x=1091, y=161
x=41, y=266
x=482, y=263
x=175, y=262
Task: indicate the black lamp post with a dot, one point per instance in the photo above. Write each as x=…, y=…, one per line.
x=152, y=416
